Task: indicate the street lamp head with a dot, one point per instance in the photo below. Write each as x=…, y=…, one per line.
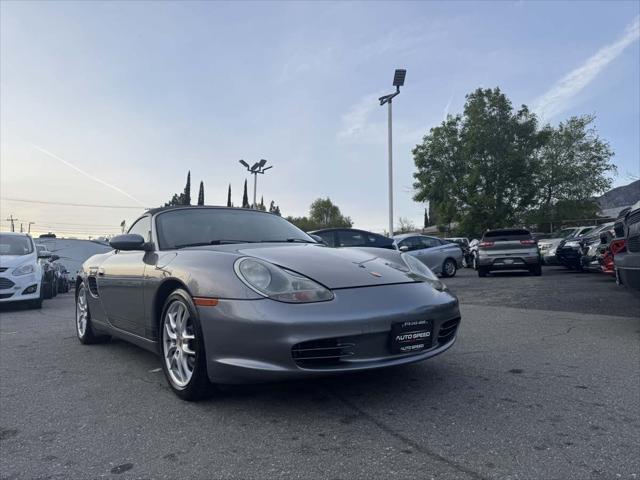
x=243, y=163
x=255, y=166
x=262, y=162
x=398, y=77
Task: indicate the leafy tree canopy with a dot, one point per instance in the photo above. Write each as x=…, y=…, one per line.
x=492, y=166
x=322, y=214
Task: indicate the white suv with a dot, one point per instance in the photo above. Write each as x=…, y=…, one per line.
x=20, y=271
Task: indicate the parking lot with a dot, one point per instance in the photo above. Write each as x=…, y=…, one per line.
x=543, y=383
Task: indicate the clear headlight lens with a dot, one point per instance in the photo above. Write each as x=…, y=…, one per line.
x=24, y=269
x=422, y=272
x=279, y=284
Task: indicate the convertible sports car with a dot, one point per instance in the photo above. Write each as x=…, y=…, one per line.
x=228, y=295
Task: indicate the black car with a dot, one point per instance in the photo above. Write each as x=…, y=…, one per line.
x=570, y=251
x=351, y=237
x=627, y=263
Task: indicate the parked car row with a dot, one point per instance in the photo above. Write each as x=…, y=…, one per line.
x=29, y=272
x=443, y=257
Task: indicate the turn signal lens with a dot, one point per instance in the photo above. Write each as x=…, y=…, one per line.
x=486, y=244
x=528, y=242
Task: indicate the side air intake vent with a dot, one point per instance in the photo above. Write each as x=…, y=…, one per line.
x=93, y=286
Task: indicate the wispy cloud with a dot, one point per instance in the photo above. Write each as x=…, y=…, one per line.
x=556, y=100
x=361, y=124
x=88, y=175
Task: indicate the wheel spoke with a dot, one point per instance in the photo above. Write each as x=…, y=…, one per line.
x=170, y=333
x=188, y=350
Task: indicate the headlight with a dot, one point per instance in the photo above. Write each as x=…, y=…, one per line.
x=279, y=284
x=572, y=244
x=24, y=269
x=422, y=272
x=544, y=246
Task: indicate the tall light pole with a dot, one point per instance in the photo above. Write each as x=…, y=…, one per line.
x=398, y=81
x=255, y=169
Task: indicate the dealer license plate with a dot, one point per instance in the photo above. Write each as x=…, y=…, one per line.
x=411, y=336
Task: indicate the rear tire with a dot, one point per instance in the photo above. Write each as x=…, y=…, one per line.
x=183, y=357
x=482, y=272
x=449, y=268
x=84, y=330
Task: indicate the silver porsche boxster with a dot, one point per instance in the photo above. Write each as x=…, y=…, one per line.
x=228, y=295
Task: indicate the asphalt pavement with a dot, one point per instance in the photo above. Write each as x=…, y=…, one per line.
x=543, y=383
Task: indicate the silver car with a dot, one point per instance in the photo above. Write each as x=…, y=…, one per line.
x=442, y=257
x=228, y=295
x=508, y=249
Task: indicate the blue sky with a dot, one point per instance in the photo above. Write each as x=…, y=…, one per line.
x=136, y=94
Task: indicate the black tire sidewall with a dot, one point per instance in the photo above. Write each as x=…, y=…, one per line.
x=444, y=269
x=199, y=386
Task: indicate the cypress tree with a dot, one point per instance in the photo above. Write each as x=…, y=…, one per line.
x=245, y=197
x=187, y=190
x=201, y=194
x=229, y=196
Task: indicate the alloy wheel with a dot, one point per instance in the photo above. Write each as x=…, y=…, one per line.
x=178, y=339
x=82, y=311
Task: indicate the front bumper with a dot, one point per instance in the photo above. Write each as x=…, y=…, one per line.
x=569, y=256
x=252, y=341
x=16, y=285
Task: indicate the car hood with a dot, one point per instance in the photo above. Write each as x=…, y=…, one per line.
x=11, y=261
x=332, y=267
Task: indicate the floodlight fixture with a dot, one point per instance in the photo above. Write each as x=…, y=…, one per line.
x=262, y=162
x=398, y=77
x=255, y=166
x=243, y=163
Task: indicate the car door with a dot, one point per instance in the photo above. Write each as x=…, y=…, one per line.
x=121, y=283
x=430, y=254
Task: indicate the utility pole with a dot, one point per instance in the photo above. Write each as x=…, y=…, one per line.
x=12, y=220
x=21, y=229
x=29, y=227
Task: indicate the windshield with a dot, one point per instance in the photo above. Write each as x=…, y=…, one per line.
x=15, y=245
x=565, y=232
x=205, y=226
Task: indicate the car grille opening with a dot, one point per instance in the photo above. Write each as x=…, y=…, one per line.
x=93, y=285
x=5, y=295
x=320, y=353
x=448, y=331
x=5, y=283
x=3, y=269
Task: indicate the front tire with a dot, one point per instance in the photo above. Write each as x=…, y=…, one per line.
x=84, y=330
x=449, y=268
x=482, y=272
x=182, y=348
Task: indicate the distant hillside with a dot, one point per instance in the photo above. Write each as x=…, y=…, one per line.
x=620, y=196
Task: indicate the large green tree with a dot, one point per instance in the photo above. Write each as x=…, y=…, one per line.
x=575, y=164
x=492, y=166
x=183, y=198
x=476, y=167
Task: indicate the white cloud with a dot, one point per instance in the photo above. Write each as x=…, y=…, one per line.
x=361, y=124
x=556, y=100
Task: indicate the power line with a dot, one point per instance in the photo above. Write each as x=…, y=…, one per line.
x=68, y=204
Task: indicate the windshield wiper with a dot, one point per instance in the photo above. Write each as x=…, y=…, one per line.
x=212, y=242
x=289, y=240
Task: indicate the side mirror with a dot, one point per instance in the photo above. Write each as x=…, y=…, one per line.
x=404, y=248
x=53, y=258
x=130, y=241
x=44, y=254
